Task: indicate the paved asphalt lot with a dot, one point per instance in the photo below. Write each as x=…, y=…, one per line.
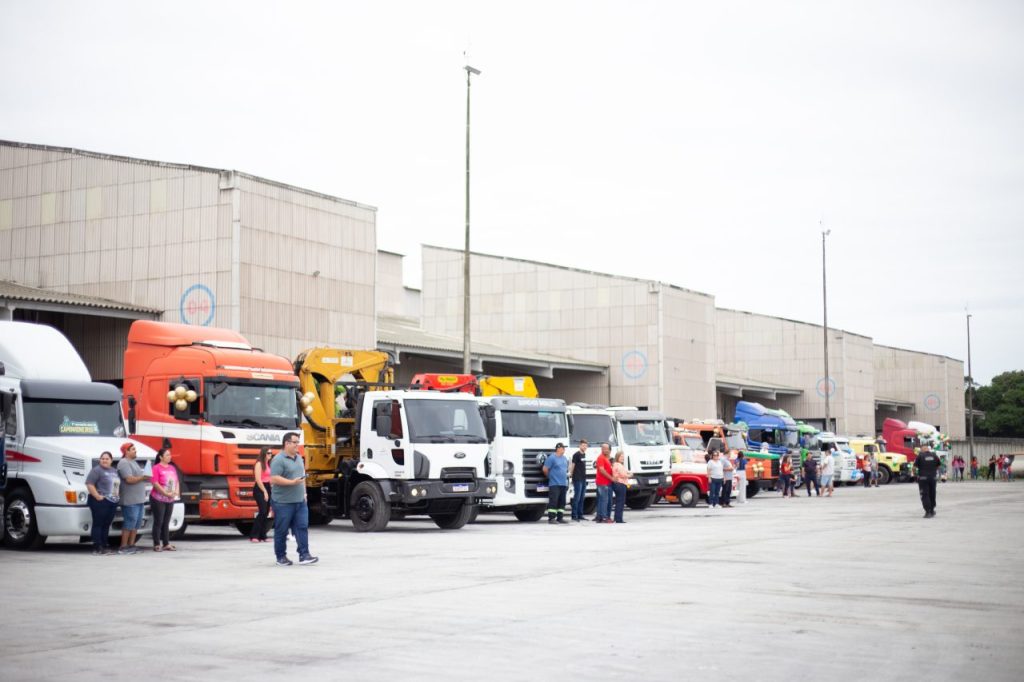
x=854, y=587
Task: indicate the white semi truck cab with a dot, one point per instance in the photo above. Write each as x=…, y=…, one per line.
x=643, y=437
x=523, y=432
x=594, y=424
x=58, y=424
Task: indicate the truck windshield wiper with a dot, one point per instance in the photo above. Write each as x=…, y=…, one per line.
x=470, y=438
x=246, y=422
x=438, y=439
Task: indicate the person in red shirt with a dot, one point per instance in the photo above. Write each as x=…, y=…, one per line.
x=603, y=479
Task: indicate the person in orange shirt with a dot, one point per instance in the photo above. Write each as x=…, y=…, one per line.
x=620, y=484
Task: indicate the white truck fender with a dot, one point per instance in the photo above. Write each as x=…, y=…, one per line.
x=373, y=470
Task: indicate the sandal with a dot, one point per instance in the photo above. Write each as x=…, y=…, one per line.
x=157, y=549
x=170, y=548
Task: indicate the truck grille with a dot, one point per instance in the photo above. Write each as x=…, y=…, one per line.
x=458, y=474
x=651, y=465
x=533, y=472
x=775, y=468
x=72, y=463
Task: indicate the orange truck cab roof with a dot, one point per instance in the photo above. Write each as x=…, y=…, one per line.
x=462, y=383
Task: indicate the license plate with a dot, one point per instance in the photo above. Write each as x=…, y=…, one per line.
x=460, y=488
x=542, y=488
x=653, y=481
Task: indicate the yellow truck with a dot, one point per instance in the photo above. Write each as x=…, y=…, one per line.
x=522, y=387
x=891, y=465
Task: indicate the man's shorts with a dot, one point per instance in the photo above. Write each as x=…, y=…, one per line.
x=132, y=514
x=826, y=480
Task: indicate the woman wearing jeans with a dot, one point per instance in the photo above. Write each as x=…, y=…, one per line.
x=715, y=475
x=166, y=491
x=261, y=493
x=104, y=485
x=620, y=482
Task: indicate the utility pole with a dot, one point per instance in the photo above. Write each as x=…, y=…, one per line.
x=824, y=299
x=970, y=394
x=466, y=359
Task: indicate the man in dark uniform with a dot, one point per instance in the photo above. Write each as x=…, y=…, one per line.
x=926, y=466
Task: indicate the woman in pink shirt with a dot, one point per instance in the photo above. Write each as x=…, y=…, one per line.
x=620, y=482
x=261, y=493
x=166, y=491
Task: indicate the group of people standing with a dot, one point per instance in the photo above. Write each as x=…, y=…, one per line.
x=723, y=473
x=127, y=486
x=611, y=479
x=820, y=475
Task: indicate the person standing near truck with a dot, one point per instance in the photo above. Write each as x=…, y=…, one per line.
x=288, y=497
x=556, y=468
x=620, y=484
x=727, y=472
x=133, y=497
x=740, y=477
x=578, y=474
x=828, y=469
x=926, y=466
x=811, y=474
x=166, y=491
x=603, y=479
x=261, y=493
x=715, y=475
x=103, y=484
x=786, y=475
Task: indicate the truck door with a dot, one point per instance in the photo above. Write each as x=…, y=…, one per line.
x=385, y=441
x=10, y=465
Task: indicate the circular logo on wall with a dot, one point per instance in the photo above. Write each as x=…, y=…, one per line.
x=820, y=387
x=634, y=364
x=197, y=305
x=932, y=402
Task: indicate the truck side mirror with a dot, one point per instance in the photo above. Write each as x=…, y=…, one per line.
x=3, y=370
x=490, y=421
x=131, y=415
x=382, y=418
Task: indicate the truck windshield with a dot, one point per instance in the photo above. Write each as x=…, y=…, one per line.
x=644, y=433
x=693, y=442
x=735, y=442
x=66, y=418
x=593, y=428
x=533, y=424
x=257, y=406
x=791, y=439
x=444, y=421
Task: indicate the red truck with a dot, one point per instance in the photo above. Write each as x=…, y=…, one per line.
x=216, y=401
x=901, y=439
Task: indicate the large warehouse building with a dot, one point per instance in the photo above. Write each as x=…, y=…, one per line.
x=90, y=242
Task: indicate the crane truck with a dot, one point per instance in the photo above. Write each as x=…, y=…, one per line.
x=376, y=453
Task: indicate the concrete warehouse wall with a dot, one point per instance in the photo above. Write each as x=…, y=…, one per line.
x=791, y=353
x=657, y=339
x=933, y=383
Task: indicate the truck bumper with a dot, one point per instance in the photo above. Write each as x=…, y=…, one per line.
x=647, y=484
x=415, y=492
x=74, y=520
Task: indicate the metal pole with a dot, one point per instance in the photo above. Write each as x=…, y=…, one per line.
x=824, y=299
x=970, y=393
x=466, y=362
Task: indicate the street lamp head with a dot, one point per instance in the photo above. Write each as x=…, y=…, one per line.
x=825, y=233
x=470, y=69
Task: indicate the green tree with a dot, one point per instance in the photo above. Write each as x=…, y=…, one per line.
x=1002, y=401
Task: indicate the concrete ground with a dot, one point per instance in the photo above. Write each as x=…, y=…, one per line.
x=857, y=586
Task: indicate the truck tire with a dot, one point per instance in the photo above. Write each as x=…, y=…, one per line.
x=530, y=515
x=589, y=505
x=641, y=503
x=454, y=520
x=884, y=476
x=20, y=529
x=475, y=513
x=369, y=510
x=688, y=494
x=180, y=533
x=753, y=488
x=244, y=527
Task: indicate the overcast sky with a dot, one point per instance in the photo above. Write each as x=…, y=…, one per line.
x=697, y=143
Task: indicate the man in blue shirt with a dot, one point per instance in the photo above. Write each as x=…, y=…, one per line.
x=288, y=497
x=556, y=468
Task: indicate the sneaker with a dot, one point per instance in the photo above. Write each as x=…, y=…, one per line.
x=284, y=562
x=552, y=521
x=306, y=561
x=126, y=550
x=561, y=521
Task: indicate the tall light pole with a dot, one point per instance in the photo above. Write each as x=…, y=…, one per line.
x=970, y=395
x=466, y=362
x=824, y=300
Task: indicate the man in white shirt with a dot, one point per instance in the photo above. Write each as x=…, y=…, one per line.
x=828, y=470
x=716, y=473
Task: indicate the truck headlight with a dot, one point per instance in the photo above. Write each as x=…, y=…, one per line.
x=508, y=468
x=215, y=494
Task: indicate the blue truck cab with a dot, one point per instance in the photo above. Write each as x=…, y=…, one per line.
x=767, y=425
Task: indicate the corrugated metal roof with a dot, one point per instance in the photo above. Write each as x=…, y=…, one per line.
x=740, y=383
x=406, y=334
x=13, y=291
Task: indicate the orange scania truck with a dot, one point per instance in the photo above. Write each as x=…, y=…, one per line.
x=216, y=401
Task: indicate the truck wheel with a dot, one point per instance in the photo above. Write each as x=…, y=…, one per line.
x=529, y=515
x=180, y=533
x=884, y=476
x=20, y=529
x=688, y=494
x=640, y=503
x=454, y=520
x=589, y=505
x=370, y=512
x=753, y=488
x=475, y=513
x=244, y=527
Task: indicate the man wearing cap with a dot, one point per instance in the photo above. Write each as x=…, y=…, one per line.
x=556, y=468
x=133, y=497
